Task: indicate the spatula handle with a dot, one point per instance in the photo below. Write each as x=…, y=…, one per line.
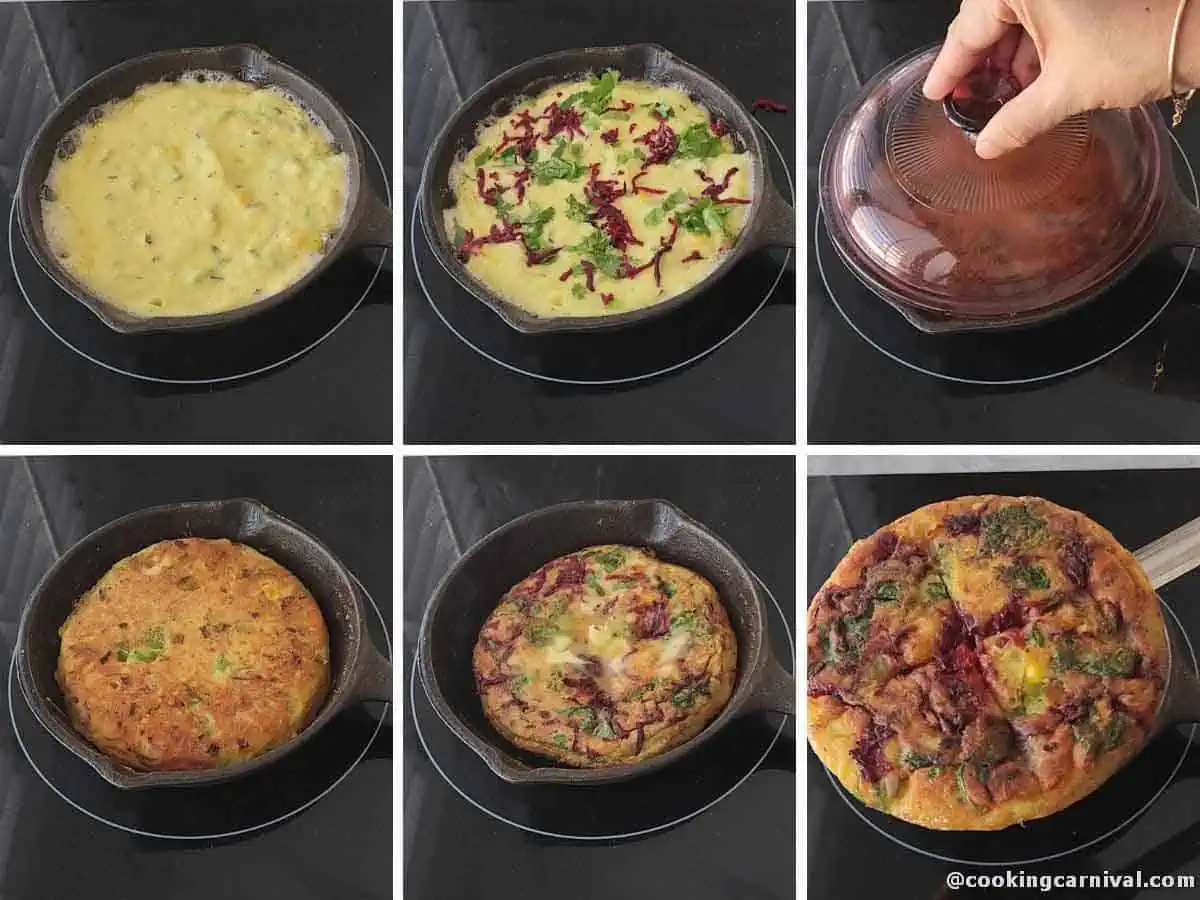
x=1172, y=555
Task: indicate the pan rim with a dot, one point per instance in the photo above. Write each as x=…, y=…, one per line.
x=125, y=777
x=122, y=321
x=527, y=323
x=747, y=671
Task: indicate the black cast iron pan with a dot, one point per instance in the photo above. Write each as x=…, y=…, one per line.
x=473, y=587
x=368, y=221
x=359, y=672
x=771, y=221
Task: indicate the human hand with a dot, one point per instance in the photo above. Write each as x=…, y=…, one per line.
x=1069, y=56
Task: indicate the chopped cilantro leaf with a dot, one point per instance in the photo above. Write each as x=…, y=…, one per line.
x=556, y=168
x=1036, y=637
x=916, y=760
x=703, y=217
x=578, y=291
x=594, y=583
x=935, y=590
x=698, y=142
x=508, y=155
x=483, y=156
x=577, y=211
x=560, y=739
x=460, y=234
x=1009, y=529
x=1026, y=575
x=887, y=592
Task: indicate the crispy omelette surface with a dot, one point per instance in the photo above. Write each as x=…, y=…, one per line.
x=598, y=197
x=193, y=654
x=982, y=662
x=606, y=656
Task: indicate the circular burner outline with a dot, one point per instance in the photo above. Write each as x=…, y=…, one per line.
x=413, y=238
x=841, y=791
x=415, y=678
x=818, y=223
x=13, y=699
x=13, y=229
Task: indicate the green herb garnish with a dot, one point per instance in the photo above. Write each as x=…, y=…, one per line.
x=705, y=216
x=596, y=249
x=483, y=156
x=916, y=760
x=658, y=213
x=887, y=592
x=594, y=583
x=556, y=168
x=541, y=633
x=222, y=665
x=1036, y=637
x=664, y=587
x=1011, y=528
x=600, y=95
x=578, y=291
x=936, y=590
x=577, y=211
x=698, y=142
x=685, y=698
x=560, y=739
x=1026, y=575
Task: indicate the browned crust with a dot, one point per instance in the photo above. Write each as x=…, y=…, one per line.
x=598, y=665
x=1077, y=728
x=193, y=654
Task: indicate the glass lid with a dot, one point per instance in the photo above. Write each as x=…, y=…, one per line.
x=926, y=222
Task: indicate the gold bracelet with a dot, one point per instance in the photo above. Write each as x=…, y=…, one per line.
x=1180, y=101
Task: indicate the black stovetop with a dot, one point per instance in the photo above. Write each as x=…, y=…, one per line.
x=341, y=846
x=743, y=846
x=340, y=392
x=858, y=395
x=744, y=391
x=1137, y=506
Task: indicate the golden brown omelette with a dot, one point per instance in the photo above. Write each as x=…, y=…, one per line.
x=193, y=654
x=604, y=657
x=982, y=662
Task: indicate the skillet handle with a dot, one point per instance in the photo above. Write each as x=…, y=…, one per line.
x=778, y=220
x=374, y=678
x=374, y=228
x=774, y=690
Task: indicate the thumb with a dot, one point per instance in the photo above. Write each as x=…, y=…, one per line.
x=1032, y=112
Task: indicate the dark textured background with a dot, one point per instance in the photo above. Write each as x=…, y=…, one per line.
x=338, y=393
x=742, y=848
x=339, y=848
x=745, y=391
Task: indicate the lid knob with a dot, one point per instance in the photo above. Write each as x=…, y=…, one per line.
x=979, y=97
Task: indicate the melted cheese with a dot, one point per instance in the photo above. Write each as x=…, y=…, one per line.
x=193, y=197
x=538, y=288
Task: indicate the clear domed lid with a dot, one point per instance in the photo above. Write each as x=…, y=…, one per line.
x=929, y=223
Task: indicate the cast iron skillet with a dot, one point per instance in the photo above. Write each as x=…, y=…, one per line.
x=470, y=591
x=1172, y=221
x=368, y=221
x=771, y=221
x=359, y=672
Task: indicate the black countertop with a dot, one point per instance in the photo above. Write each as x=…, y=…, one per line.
x=1137, y=506
x=858, y=395
x=340, y=392
x=744, y=391
x=744, y=846
x=339, y=847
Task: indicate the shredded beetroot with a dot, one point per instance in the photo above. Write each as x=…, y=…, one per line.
x=606, y=299
x=625, y=106
x=610, y=136
x=695, y=255
x=661, y=142
x=632, y=127
x=1077, y=562
x=537, y=257
x=520, y=181
x=615, y=225
x=956, y=526
x=652, y=620
x=719, y=127
x=571, y=571
x=715, y=188
x=600, y=191
x=565, y=275
x=868, y=752
x=769, y=105
x=560, y=120
x=489, y=195
x=589, y=274
x=638, y=189
x=496, y=235
x=664, y=246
